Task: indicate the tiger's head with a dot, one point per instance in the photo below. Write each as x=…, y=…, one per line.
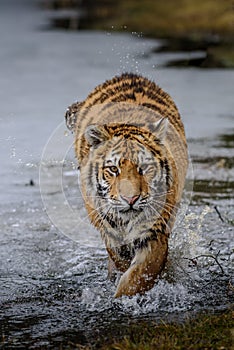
x=127, y=174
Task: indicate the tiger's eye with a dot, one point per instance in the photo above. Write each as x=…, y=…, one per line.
x=114, y=169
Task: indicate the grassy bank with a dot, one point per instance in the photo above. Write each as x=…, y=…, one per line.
x=201, y=24
x=207, y=332
x=176, y=18
x=204, y=332
x=168, y=18
x=189, y=25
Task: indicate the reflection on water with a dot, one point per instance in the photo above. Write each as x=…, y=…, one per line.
x=54, y=290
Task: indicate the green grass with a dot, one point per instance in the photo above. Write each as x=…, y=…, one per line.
x=206, y=332
x=170, y=18
x=177, y=17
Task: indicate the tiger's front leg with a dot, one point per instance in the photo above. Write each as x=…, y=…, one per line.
x=145, y=267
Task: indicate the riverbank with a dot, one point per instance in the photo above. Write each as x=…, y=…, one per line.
x=214, y=331
x=186, y=25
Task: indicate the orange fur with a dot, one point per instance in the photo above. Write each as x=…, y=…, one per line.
x=133, y=166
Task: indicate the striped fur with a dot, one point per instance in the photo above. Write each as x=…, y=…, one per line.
x=131, y=149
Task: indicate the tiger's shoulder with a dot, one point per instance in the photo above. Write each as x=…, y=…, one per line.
x=129, y=88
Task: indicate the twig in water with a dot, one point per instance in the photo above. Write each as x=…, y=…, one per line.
x=219, y=214
x=193, y=260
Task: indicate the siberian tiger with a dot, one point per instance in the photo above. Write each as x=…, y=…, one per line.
x=132, y=154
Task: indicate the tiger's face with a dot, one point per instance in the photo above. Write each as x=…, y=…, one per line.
x=128, y=179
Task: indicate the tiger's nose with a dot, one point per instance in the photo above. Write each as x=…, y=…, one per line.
x=131, y=200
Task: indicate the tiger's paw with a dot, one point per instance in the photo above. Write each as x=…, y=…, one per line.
x=145, y=268
x=132, y=283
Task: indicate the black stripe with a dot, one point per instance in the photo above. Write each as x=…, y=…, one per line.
x=140, y=243
x=154, y=234
x=126, y=252
x=167, y=169
x=112, y=223
x=109, y=96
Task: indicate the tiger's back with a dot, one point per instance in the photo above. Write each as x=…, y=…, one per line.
x=127, y=88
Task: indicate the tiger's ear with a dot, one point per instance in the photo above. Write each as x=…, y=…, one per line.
x=95, y=134
x=71, y=115
x=159, y=129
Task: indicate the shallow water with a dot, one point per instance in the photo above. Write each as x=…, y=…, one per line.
x=53, y=281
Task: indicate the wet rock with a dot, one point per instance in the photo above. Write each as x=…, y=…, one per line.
x=30, y=183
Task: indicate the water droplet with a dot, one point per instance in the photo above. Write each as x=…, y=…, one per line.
x=13, y=152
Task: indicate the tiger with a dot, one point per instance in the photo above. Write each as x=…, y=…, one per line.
x=131, y=149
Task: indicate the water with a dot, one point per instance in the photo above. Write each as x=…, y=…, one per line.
x=54, y=289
